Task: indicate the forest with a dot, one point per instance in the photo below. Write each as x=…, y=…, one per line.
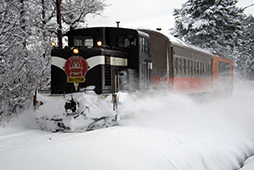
x=27, y=27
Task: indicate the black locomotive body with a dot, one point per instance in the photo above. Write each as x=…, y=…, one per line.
x=110, y=59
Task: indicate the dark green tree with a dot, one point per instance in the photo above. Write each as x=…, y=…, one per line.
x=211, y=24
x=245, y=52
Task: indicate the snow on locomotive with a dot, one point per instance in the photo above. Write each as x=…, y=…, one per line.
x=107, y=60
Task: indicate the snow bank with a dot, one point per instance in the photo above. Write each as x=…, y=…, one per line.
x=248, y=164
x=157, y=130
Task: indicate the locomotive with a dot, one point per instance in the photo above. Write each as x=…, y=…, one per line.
x=103, y=60
x=107, y=60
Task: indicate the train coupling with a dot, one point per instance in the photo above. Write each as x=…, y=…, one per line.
x=71, y=107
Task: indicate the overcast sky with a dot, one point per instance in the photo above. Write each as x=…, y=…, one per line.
x=144, y=13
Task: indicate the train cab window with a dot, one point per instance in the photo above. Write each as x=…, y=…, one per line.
x=179, y=65
x=126, y=41
x=146, y=46
x=143, y=45
x=86, y=41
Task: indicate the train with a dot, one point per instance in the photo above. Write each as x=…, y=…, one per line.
x=109, y=60
x=184, y=68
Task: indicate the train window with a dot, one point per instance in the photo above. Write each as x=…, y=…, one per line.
x=223, y=69
x=208, y=73
x=1, y=103
x=210, y=70
x=205, y=69
x=184, y=66
x=197, y=71
x=80, y=41
x=143, y=45
x=187, y=66
x=179, y=65
x=194, y=68
x=126, y=41
x=191, y=69
x=201, y=69
x=175, y=65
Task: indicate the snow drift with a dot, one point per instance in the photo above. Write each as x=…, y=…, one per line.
x=157, y=130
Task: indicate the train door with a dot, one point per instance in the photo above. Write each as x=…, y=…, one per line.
x=144, y=75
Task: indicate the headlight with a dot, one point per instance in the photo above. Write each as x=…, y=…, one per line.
x=75, y=51
x=99, y=43
x=53, y=44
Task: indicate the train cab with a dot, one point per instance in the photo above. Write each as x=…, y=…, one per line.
x=110, y=59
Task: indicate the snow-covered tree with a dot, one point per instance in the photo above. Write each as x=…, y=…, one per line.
x=211, y=24
x=26, y=29
x=74, y=11
x=17, y=60
x=245, y=60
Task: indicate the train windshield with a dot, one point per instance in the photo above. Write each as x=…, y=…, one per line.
x=83, y=41
x=126, y=41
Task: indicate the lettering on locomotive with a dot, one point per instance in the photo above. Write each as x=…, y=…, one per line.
x=75, y=68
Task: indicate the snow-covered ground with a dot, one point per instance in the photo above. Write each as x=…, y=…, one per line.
x=157, y=130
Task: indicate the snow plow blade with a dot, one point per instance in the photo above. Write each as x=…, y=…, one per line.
x=77, y=112
x=75, y=124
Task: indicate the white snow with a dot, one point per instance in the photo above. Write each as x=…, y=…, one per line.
x=157, y=130
x=90, y=106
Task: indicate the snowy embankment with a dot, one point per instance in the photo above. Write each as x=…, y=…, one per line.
x=158, y=130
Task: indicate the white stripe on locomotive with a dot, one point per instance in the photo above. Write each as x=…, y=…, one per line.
x=92, y=61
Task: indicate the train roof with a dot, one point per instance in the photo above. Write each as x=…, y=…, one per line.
x=176, y=41
x=140, y=33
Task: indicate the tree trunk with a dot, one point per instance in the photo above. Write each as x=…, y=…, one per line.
x=59, y=30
